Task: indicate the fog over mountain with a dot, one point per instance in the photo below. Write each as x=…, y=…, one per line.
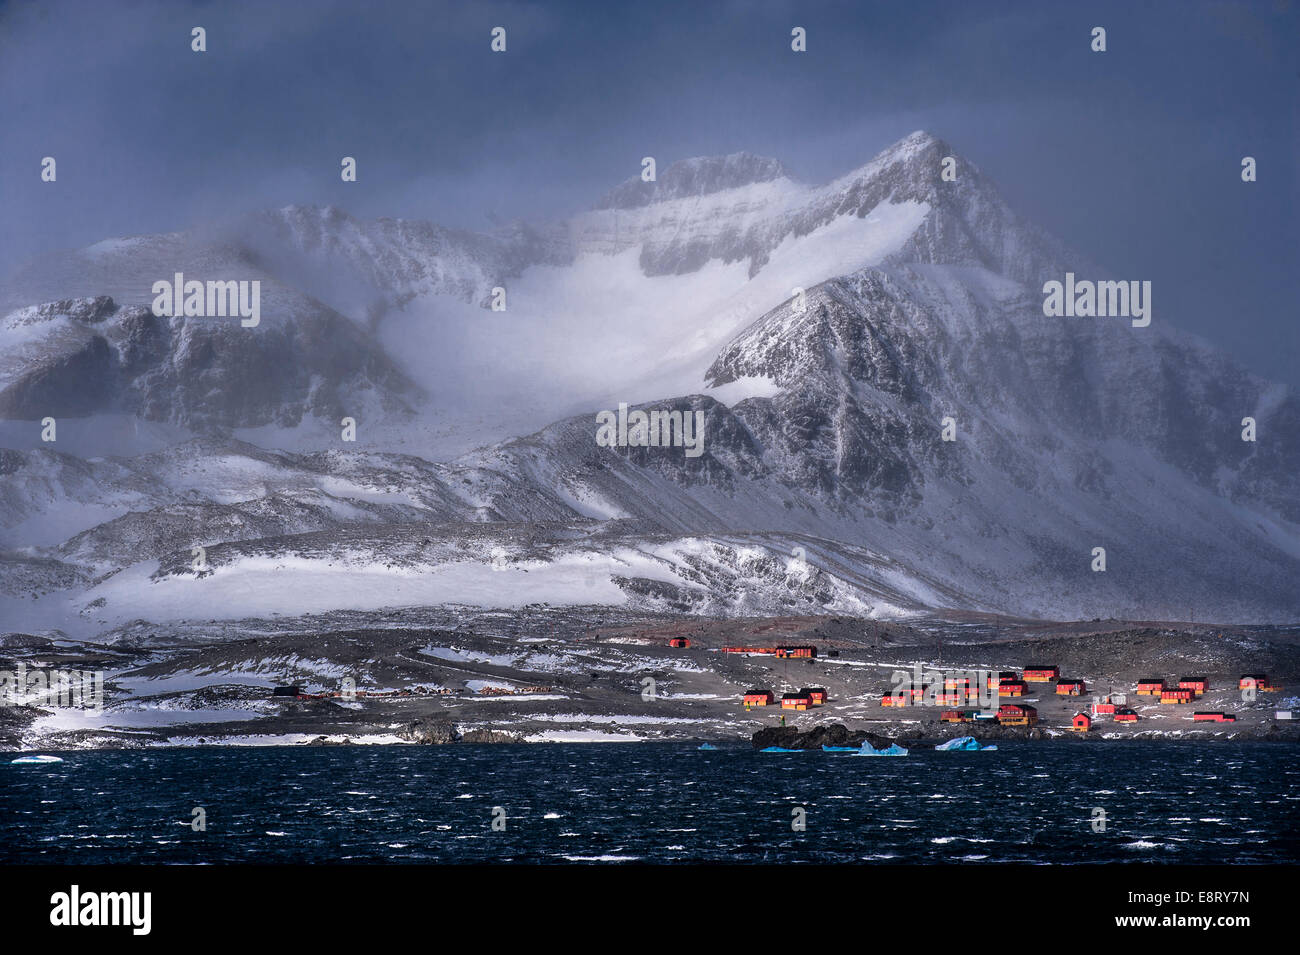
x=827, y=334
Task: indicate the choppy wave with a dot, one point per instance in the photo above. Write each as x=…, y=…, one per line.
x=657, y=803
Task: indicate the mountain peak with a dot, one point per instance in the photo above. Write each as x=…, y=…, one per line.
x=917, y=139
x=698, y=176
x=912, y=164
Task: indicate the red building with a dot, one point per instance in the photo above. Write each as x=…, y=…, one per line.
x=1017, y=714
x=680, y=642
x=957, y=716
x=1125, y=716
x=1082, y=722
x=1041, y=674
x=795, y=701
x=1197, y=684
x=1012, y=688
x=1070, y=688
x=784, y=652
x=1103, y=709
x=1150, y=687
x=816, y=694
x=1170, y=695
x=1205, y=716
x=1252, y=681
x=758, y=698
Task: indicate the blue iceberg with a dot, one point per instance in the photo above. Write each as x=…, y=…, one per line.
x=42, y=760
x=779, y=749
x=965, y=744
x=893, y=749
x=707, y=746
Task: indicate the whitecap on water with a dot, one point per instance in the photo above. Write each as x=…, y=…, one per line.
x=601, y=858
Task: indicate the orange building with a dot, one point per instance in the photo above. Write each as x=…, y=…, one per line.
x=1017, y=714
x=1041, y=674
x=1082, y=722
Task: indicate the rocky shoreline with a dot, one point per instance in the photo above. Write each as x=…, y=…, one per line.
x=553, y=675
x=837, y=734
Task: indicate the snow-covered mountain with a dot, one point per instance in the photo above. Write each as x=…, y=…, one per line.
x=825, y=333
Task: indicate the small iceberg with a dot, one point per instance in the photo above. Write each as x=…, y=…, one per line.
x=964, y=744
x=37, y=759
x=779, y=749
x=707, y=746
x=893, y=749
x=838, y=749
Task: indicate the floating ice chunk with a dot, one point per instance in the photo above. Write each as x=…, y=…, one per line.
x=893, y=749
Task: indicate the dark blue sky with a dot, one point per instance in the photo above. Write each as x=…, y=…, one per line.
x=1132, y=155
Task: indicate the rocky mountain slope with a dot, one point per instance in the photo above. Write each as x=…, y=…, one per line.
x=825, y=481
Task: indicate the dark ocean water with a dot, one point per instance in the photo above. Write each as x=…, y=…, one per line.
x=1164, y=802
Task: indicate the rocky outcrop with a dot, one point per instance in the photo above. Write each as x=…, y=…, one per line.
x=437, y=731
x=490, y=736
x=831, y=734
x=443, y=731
